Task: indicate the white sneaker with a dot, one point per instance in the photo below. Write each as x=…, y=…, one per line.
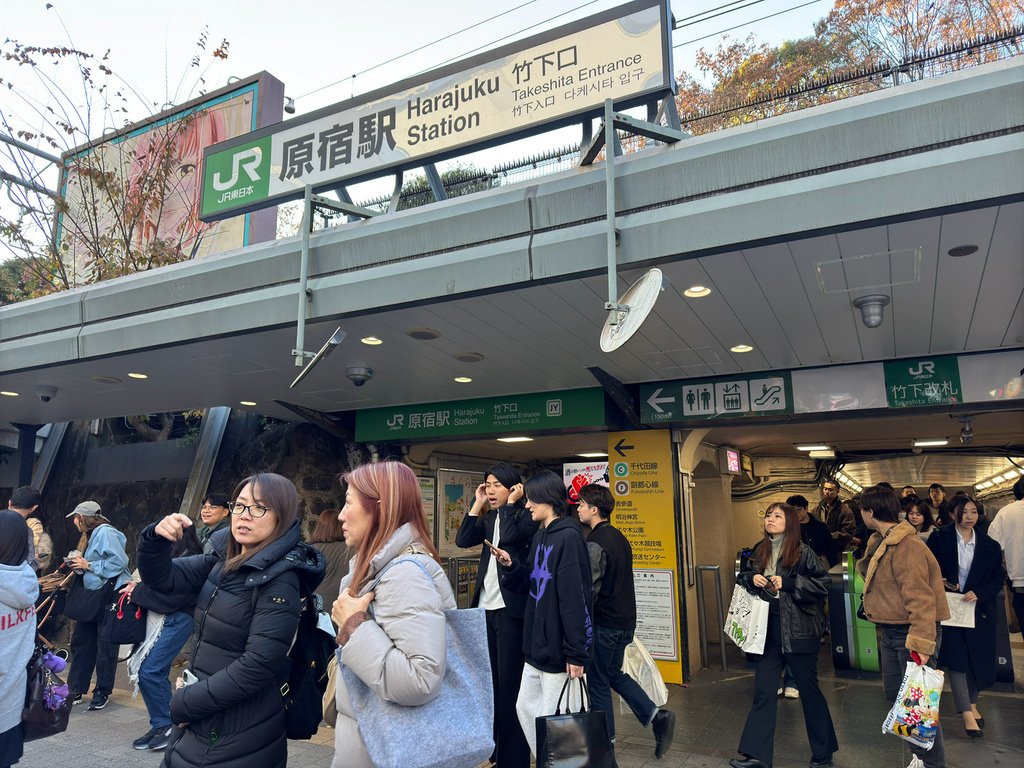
x=916, y=762
x=777, y=693
x=792, y=693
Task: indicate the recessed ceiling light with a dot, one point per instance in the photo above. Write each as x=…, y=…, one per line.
x=741, y=348
x=960, y=251
x=697, y=291
x=931, y=442
x=5, y=393
x=815, y=447
x=515, y=439
x=592, y=455
x=106, y=379
x=137, y=376
x=468, y=357
x=462, y=379
x=371, y=341
x=246, y=402
x=423, y=334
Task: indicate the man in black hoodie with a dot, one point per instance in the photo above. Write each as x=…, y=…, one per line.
x=611, y=568
x=558, y=631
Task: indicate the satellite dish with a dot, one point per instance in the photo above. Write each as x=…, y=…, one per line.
x=635, y=305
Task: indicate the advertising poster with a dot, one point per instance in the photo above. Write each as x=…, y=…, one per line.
x=641, y=474
x=456, y=491
x=578, y=474
x=428, y=493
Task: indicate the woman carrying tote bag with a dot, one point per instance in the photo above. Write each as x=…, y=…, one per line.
x=393, y=627
x=102, y=565
x=18, y=592
x=787, y=574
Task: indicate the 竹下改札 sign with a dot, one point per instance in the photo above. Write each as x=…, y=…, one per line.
x=540, y=82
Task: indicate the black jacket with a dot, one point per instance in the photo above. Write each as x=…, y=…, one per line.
x=160, y=602
x=234, y=713
x=557, y=623
x=516, y=531
x=611, y=571
x=801, y=599
x=815, y=535
x=962, y=649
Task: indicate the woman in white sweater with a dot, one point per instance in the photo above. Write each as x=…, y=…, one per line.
x=18, y=592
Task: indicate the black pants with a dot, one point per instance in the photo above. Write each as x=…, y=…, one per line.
x=1018, y=608
x=505, y=646
x=88, y=652
x=758, y=740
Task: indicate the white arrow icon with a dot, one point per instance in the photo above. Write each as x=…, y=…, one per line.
x=655, y=402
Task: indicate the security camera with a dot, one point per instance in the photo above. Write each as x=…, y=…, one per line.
x=359, y=376
x=46, y=394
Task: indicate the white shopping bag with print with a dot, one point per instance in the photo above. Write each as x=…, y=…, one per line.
x=747, y=621
x=638, y=663
x=915, y=715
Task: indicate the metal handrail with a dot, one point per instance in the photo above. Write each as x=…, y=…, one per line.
x=702, y=617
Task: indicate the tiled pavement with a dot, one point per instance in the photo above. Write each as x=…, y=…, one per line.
x=711, y=711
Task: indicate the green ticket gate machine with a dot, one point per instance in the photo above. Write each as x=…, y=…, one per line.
x=854, y=641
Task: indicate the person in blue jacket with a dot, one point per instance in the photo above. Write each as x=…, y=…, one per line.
x=102, y=559
x=558, y=627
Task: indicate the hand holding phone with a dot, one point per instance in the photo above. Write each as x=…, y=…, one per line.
x=500, y=555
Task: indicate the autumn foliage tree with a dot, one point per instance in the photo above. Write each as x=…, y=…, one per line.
x=106, y=219
x=740, y=81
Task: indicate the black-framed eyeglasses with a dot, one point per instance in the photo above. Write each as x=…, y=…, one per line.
x=254, y=510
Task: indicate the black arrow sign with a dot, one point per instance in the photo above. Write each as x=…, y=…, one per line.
x=621, y=449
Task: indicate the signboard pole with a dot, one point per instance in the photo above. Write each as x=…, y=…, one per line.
x=300, y=329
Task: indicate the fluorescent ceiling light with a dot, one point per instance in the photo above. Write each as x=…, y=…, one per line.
x=5, y=393
x=592, y=455
x=812, y=447
x=1011, y=475
x=827, y=453
x=697, y=291
x=515, y=439
x=931, y=442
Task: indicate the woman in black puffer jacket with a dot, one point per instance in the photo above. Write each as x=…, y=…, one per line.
x=789, y=576
x=249, y=590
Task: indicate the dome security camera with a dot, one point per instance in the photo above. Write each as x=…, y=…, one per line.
x=358, y=375
x=46, y=394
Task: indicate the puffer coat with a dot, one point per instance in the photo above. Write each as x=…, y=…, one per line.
x=401, y=653
x=234, y=714
x=801, y=599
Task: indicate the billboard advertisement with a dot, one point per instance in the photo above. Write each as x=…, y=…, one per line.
x=138, y=189
x=535, y=84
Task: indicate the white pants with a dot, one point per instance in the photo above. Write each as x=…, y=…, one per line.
x=538, y=696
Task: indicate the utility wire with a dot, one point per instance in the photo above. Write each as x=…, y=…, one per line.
x=745, y=24
x=415, y=50
x=702, y=17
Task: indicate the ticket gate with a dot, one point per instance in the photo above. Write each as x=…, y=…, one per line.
x=854, y=641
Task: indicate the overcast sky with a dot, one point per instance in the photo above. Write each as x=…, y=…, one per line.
x=316, y=47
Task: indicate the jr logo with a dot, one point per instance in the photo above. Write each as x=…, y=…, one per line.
x=922, y=368
x=248, y=161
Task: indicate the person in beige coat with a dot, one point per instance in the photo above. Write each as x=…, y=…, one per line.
x=398, y=646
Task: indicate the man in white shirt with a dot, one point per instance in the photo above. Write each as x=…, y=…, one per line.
x=1008, y=530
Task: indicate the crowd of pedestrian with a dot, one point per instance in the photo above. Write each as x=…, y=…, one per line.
x=556, y=589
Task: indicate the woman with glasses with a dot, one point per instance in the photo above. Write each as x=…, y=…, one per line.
x=227, y=707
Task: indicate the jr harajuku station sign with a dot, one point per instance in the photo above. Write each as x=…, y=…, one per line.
x=536, y=84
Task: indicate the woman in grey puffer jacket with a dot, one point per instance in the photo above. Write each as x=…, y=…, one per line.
x=400, y=653
x=18, y=592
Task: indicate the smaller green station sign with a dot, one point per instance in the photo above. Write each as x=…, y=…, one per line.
x=485, y=416
x=923, y=381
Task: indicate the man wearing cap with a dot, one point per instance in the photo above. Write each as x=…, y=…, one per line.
x=102, y=563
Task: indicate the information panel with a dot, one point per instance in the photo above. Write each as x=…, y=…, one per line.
x=641, y=474
x=530, y=85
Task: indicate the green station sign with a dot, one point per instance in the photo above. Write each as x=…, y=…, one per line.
x=484, y=416
x=923, y=381
x=756, y=394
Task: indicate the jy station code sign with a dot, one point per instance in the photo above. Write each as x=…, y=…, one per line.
x=531, y=85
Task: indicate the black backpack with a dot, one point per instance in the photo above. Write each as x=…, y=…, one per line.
x=303, y=676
